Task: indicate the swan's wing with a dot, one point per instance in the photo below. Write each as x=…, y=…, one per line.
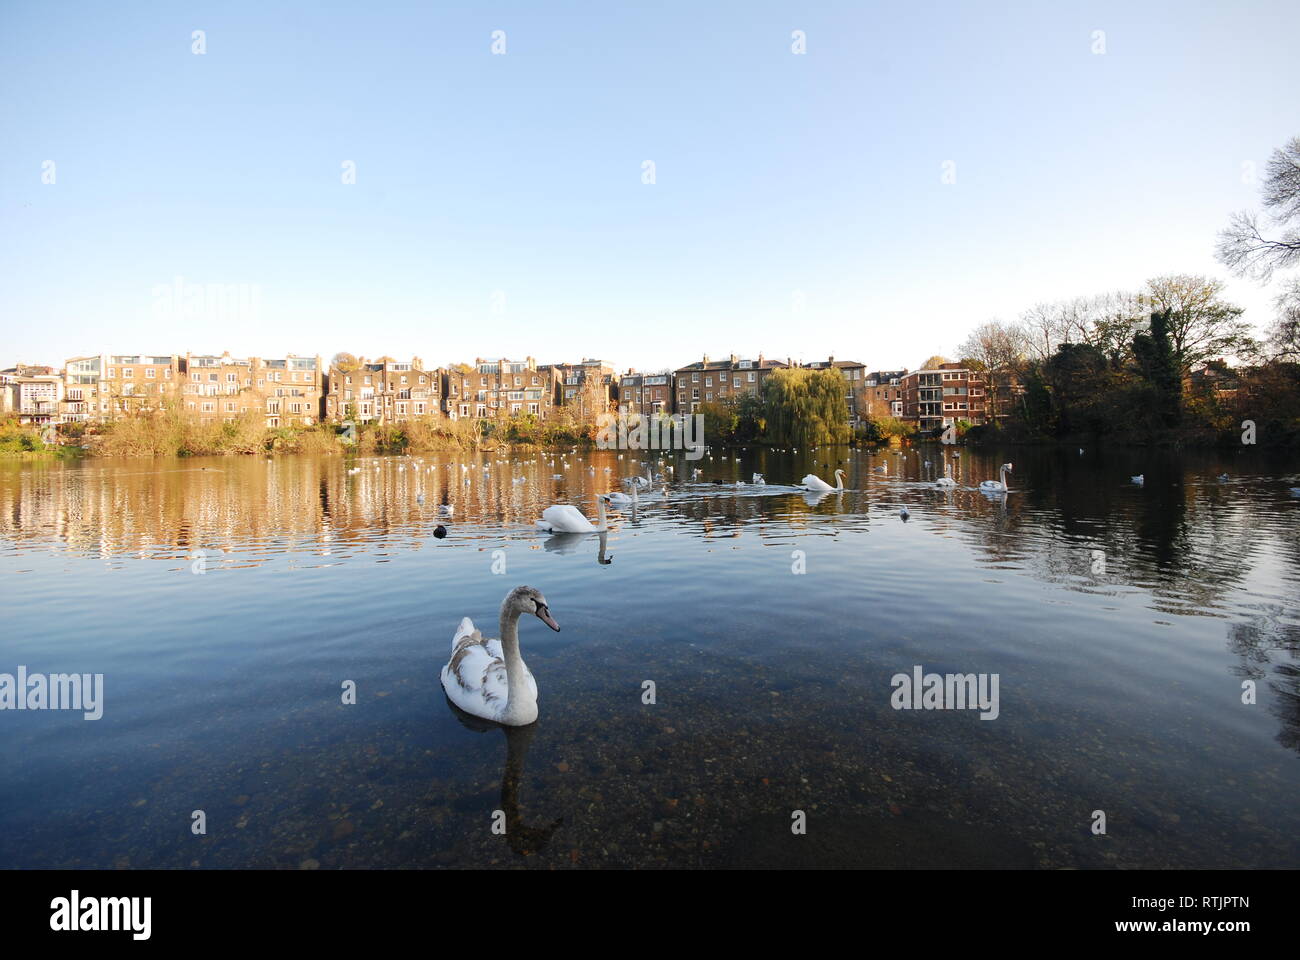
x=466, y=629
x=566, y=518
x=475, y=677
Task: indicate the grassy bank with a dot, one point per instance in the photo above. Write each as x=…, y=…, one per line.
x=20, y=442
x=175, y=433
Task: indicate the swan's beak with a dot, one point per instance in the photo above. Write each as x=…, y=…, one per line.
x=544, y=615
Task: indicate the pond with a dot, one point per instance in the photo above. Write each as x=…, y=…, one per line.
x=722, y=690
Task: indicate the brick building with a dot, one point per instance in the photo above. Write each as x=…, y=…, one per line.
x=387, y=390
x=938, y=397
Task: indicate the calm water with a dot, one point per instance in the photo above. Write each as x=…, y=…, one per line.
x=1120, y=672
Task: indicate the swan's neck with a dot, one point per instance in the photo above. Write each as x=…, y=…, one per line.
x=839, y=480
x=600, y=514
x=517, y=695
x=1002, y=475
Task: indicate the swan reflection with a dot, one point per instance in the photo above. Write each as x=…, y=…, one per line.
x=523, y=838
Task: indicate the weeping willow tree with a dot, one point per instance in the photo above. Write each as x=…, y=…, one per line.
x=804, y=408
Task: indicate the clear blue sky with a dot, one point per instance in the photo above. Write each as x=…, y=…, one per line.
x=778, y=176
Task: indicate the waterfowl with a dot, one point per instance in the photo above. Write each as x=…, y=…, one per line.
x=487, y=677
x=816, y=484
x=945, y=480
x=1139, y=479
x=1000, y=484
x=564, y=518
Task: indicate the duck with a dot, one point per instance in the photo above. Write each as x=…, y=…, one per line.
x=564, y=518
x=760, y=480
x=1139, y=479
x=904, y=513
x=999, y=485
x=816, y=484
x=486, y=677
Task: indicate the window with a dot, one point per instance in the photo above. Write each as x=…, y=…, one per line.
x=150, y=373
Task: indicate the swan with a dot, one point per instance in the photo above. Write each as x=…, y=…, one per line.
x=487, y=677
x=759, y=480
x=1139, y=479
x=945, y=480
x=622, y=499
x=816, y=484
x=640, y=481
x=999, y=485
x=568, y=519
x=1223, y=478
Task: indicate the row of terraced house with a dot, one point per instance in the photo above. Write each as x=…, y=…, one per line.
x=301, y=391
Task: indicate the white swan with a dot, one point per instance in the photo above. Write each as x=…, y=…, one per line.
x=999, y=485
x=1139, y=479
x=945, y=480
x=564, y=518
x=622, y=499
x=487, y=677
x=816, y=484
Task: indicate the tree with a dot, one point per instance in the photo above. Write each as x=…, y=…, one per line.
x=996, y=349
x=805, y=407
x=933, y=362
x=1283, y=342
x=1243, y=248
x=1158, y=361
x=1200, y=324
